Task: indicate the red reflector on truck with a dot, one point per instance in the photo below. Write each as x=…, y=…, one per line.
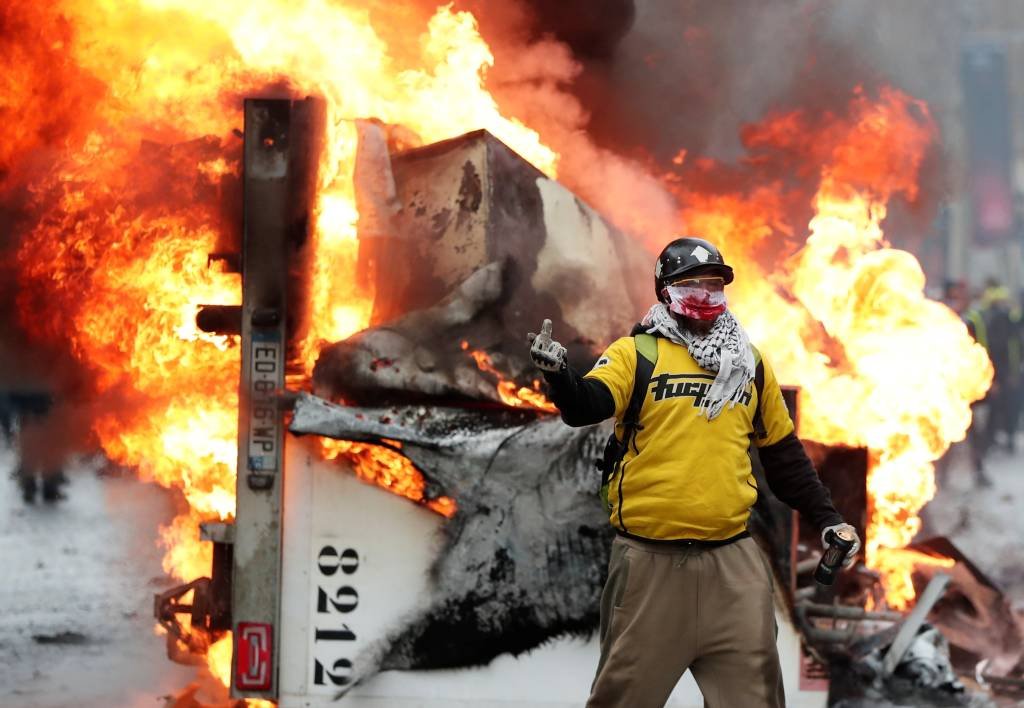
x=252, y=656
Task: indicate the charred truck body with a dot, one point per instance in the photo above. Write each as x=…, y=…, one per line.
x=331, y=585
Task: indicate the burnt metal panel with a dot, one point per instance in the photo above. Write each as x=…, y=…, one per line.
x=470, y=201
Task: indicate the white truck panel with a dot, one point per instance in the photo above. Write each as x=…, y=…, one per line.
x=396, y=542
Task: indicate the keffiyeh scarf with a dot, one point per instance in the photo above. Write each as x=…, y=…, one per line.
x=725, y=351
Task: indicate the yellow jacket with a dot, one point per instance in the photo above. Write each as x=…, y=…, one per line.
x=686, y=477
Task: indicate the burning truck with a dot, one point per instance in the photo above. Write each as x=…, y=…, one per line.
x=373, y=294
x=503, y=551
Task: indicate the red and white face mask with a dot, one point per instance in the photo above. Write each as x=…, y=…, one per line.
x=699, y=301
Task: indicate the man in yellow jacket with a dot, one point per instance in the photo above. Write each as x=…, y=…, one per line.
x=687, y=587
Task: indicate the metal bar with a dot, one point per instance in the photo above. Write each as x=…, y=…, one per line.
x=836, y=612
x=217, y=531
x=221, y=319
x=829, y=636
x=219, y=600
x=1004, y=681
x=282, y=142
x=813, y=609
x=805, y=593
x=255, y=600
x=905, y=636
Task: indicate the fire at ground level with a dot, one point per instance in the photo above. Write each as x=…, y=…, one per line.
x=77, y=628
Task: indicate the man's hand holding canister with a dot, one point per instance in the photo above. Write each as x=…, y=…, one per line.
x=848, y=531
x=546, y=353
x=841, y=544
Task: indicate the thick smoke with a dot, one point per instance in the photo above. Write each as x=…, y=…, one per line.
x=532, y=79
x=660, y=110
x=691, y=74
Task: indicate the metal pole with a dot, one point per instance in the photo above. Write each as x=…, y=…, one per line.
x=257, y=557
x=812, y=609
x=905, y=636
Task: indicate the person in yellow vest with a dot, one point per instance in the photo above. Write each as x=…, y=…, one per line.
x=958, y=297
x=1017, y=357
x=688, y=588
x=1003, y=344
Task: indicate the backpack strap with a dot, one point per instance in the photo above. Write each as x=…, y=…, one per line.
x=646, y=358
x=615, y=449
x=759, y=429
x=647, y=347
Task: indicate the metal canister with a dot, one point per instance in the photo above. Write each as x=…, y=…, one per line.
x=839, y=544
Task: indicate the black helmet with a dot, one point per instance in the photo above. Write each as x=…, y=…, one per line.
x=689, y=255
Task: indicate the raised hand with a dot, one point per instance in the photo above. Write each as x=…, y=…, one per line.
x=546, y=353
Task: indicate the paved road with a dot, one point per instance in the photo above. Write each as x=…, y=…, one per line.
x=76, y=625
x=986, y=523
x=84, y=571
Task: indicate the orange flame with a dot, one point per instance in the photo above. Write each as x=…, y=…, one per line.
x=511, y=393
x=124, y=214
x=389, y=469
x=845, y=316
x=218, y=658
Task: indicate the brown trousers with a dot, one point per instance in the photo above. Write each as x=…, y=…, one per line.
x=667, y=609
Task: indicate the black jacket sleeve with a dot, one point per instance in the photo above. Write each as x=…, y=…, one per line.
x=792, y=479
x=580, y=401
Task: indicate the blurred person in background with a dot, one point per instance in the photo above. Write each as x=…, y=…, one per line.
x=1015, y=396
x=1003, y=341
x=42, y=452
x=45, y=435
x=957, y=296
x=1017, y=399
x=44, y=419
x=8, y=420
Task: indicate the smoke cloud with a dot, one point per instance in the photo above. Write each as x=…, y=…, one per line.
x=664, y=110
